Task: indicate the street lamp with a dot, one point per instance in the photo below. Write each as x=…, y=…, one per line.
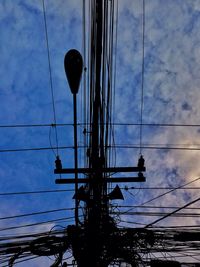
x=73, y=64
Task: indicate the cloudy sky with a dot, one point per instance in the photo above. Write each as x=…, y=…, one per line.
x=171, y=107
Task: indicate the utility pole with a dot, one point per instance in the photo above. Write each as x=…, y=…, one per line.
x=90, y=240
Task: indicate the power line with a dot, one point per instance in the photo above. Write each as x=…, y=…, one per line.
x=35, y=192
x=35, y=149
x=142, y=73
x=36, y=125
x=164, y=214
x=124, y=146
x=159, y=188
x=157, y=124
x=156, y=147
x=153, y=207
x=172, y=213
x=176, y=227
x=38, y=223
x=35, y=213
x=112, y=124
x=50, y=71
x=33, y=235
x=168, y=192
x=20, y=261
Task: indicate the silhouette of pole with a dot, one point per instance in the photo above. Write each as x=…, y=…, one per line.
x=73, y=67
x=75, y=157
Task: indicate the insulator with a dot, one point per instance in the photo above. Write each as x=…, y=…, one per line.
x=141, y=162
x=58, y=163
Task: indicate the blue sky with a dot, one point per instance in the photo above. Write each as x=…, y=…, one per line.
x=171, y=96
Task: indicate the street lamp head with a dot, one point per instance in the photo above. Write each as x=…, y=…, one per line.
x=73, y=68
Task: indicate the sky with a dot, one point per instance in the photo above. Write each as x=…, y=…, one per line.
x=170, y=97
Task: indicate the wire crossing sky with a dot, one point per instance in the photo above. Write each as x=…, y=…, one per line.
x=155, y=104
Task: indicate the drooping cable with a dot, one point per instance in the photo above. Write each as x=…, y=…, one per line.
x=20, y=261
x=142, y=73
x=153, y=207
x=155, y=147
x=66, y=219
x=158, y=188
x=36, y=125
x=103, y=78
x=110, y=80
x=87, y=125
x=170, y=191
x=172, y=213
x=113, y=124
x=164, y=214
x=84, y=77
x=29, y=235
x=116, y=146
x=35, y=213
x=35, y=192
x=50, y=71
x=161, y=195
x=50, y=142
x=114, y=158
x=36, y=149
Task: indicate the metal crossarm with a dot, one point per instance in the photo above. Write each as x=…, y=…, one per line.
x=106, y=180
x=103, y=170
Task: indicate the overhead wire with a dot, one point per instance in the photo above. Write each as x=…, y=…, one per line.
x=172, y=213
x=85, y=123
x=36, y=149
x=156, y=147
x=20, y=261
x=65, y=219
x=88, y=80
x=161, y=195
x=91, y=81
x=171, y=190
x=188, y=255
x=35, y=125
x=34, y=213
x=114, y=80
x=105, y=83
x=113, y=76
x=116, y=146
x=170, y=227
x=109, y=104
x=137, y=223
x=102, y=102
x=84, y=75
x=50, y=70
x=28, y=235
x=154, y=213
x=50, y=142
x=35, y=192
x=153, y=207
x=142, y=73
x=158, y=188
